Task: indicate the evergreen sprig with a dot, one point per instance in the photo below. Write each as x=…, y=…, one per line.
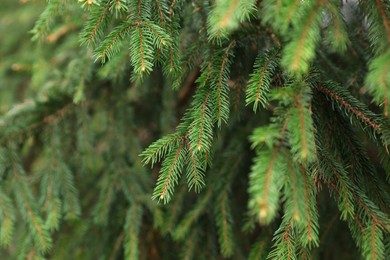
x=300, y=51
x=113, y=42
x=265, y=184
x=300, y=126
x=170, y=173
x=264, y=107
x=226, y=16
x=94, y=28
x=260, y=80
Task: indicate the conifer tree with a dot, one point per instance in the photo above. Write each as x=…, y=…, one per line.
x=172, y=129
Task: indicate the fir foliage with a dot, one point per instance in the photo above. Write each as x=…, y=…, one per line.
x=265, y=124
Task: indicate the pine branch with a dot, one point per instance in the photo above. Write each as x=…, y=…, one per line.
x=139, y=10
x=312, y=136
x=266, y=179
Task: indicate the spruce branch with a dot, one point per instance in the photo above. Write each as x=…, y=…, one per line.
x=336, y=33
x=260, y=80
x=195, y=170
x=311, y=229
x=185, y=225
x=335, y=175
x=280, y=14
x=142, y=55
x=159, y=36
x=368, y=208
x=221, y=92
x=7, y=216
x=222, y=211
x=258, y=250
x=299, y=52
x=25, y=202
x=294, y=191
x=385, y=16
x=378, y=80
x=226, y=16
x=80, y=157
x=265, y=183
x=98, y=21
x=131, y=230
x=300, y=127
x=285, y=244
x=172, y=65
x=373, y=245
x=379, y=26
x=189, y=249
x=160, y=148
x=201, y=128
x=224, y=223
x=113, y=42
x=106, y=197
x=162, y=11
x=45, y=21
x=351, y=104
x=50, y=199
x=169, y=174
x=72, y=208
x=190, y=59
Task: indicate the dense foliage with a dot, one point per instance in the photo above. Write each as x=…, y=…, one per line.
x=265, y=123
